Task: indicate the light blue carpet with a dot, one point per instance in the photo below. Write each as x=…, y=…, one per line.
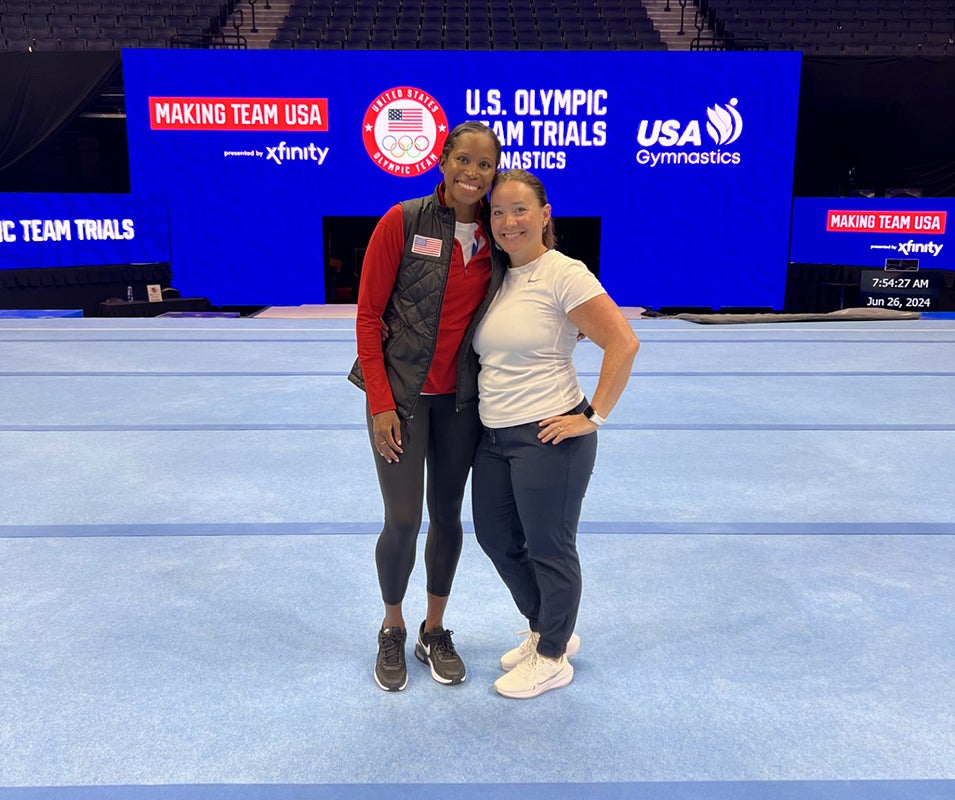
x=188, y=601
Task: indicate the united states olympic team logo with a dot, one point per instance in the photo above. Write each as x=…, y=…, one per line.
x=404, y=131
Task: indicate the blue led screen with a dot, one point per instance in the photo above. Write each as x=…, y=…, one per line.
x=73, y=230
x=684, y=158
x=869, y=232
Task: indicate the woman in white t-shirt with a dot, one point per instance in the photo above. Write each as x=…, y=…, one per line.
x=534, y=462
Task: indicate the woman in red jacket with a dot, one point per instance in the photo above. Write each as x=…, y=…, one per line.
x=429, y=274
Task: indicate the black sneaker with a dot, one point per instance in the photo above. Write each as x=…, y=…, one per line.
x=391, y=673
x=437, y=651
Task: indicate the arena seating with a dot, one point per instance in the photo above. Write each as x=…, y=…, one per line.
x=335, y=24
x=834, y=27
x=475, y=25
x=91, y=25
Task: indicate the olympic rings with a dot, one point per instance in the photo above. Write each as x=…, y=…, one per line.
x=405, y=145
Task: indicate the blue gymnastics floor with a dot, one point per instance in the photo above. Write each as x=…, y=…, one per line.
x=188, y=603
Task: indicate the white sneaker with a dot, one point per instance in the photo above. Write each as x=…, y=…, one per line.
x=514, y=657
x=535, y=675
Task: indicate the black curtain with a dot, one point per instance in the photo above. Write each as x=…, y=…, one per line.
x=42, y=92
x=872, y=123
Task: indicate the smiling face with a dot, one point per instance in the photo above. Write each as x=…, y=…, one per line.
x=468, y=171
x=517, y=221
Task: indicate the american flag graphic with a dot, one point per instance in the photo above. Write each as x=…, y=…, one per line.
x=405, y=120
x=426, y=246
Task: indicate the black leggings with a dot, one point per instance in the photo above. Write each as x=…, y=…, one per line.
x=445, y=441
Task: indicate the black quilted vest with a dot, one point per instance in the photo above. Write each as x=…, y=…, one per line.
x=414, y=308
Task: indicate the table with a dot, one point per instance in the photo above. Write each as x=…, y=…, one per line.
x=143, y=308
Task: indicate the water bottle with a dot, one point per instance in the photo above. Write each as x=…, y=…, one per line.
x=129, y=294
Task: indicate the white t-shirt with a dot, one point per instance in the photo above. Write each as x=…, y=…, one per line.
x=526, y=343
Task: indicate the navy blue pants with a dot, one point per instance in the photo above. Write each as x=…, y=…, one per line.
x=443, y=440
x=526, y=499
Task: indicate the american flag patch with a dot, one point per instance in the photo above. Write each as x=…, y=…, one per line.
x=405, y=119
x=426, y=246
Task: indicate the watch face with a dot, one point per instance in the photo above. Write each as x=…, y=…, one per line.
x=588, y=412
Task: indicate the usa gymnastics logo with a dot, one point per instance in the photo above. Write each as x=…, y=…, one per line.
x=725, y=123
x=404, y=130
x=680, y=142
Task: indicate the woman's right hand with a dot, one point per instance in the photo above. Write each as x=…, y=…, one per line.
x=386, y=428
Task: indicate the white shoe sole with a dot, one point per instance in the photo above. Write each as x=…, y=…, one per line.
x=387, y=689
x=560, y=680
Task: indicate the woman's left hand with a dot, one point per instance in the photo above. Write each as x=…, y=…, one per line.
x=556, y=429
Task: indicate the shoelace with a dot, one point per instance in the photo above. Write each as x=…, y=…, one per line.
x=529, y=645
x=443, y=645
x=530, y=664
x=391, y=646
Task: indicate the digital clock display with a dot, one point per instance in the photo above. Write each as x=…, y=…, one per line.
x=899, y=291
x=876, y=281
x=891, y=283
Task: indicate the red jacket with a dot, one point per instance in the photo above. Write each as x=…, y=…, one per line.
x=465, y=288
